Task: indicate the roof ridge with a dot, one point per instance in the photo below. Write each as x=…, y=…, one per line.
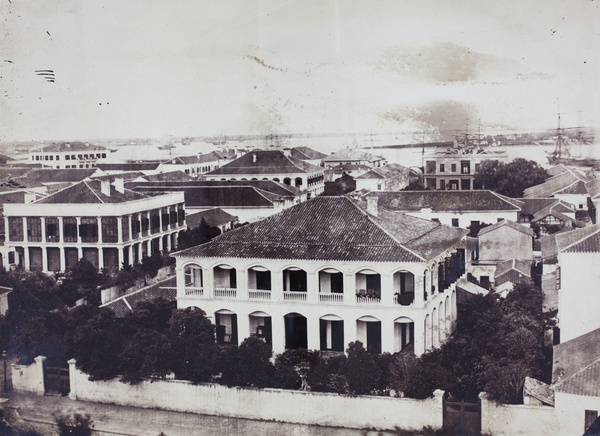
x=579, y=240
x=93, y=192
x=368, y=215
x=597, y=360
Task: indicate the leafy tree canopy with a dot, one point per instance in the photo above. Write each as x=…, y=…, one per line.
x=511, y=178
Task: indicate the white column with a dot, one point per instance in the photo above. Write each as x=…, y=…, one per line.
x=242, y=284
x=63, y=260
x=44, y=257
x=278, y=333
x=99, y=229
x=120, y=230
x=277, y=287
x=387, y=289
x=312, y=282
x=100, y=257
x=419, y=340
x=61, y=236
x=208, y=277
x=120, y=257
x=243, y=326
x=387, y=334
x=180, y=282
x=349, y=289
x=419, y=300
x=43, y=230
x=349, y=331
x=313, y=333
x=26, y=257
x=78, y=224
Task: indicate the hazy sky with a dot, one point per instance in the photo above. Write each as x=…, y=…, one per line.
x=153, y=68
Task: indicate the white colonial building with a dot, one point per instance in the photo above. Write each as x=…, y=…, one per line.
x=108, y=225
x=70, y=155
x=328, y=272
x=273, y=165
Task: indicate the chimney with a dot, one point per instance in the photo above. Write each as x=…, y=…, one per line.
x=105, y=187
x=372, y=205
x=119, y=184
x=253, y=157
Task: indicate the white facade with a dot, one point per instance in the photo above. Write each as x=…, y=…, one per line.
x=339, y=301
x=578, y=305
x=571, y=412
x=52, y=237
x=313, y=183
x=454, y=171
x=65, y=157
x=464, y=219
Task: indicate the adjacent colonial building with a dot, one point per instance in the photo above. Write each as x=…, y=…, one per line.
x=108, y=225
x=455, y=208
x=327, y=272
x=455, y=169
x=505, y=240
x=272, y=165
x=70, y=155
x=577, y=279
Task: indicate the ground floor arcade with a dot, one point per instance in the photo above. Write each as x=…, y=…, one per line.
x=331, y=329
x=59, y=257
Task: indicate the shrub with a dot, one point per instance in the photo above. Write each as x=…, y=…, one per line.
x=74, y=425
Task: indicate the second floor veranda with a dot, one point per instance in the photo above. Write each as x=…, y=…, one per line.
x=410, y=287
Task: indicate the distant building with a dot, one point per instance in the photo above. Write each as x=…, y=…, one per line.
x=214, y=218
x=327, y=272
x=454, y=169
x=593, y=202
x=392, y=177
x=308, y=155
x=505, y=240
x=568, y=186
x=198, y=164
x=249, y=200
x=108, y=225
x=272, y=165
x=452, y=208
x=354, y=156
x=70, y=155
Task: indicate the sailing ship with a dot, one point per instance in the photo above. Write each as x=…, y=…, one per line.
x=562, y=151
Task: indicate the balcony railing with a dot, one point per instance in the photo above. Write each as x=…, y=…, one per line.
x=365, y=299
x=225, y=293
x=331, y=298
x=257, y=294
x=199, y=292
x=294, y=296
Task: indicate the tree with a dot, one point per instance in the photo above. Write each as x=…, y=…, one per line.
x=146, y=355
x=74, y=425
x=194, y=350
x=509, y=179
x=97, y=343
x=292, y=368
x=151, y=264
x=360, y=370
x=196, y=236
x=247, y=365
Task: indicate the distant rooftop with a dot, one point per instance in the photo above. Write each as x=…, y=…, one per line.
x=261, y=162
x=443, y=201
x=87, y=192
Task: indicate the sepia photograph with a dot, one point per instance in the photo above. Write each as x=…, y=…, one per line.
x=306, y=218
